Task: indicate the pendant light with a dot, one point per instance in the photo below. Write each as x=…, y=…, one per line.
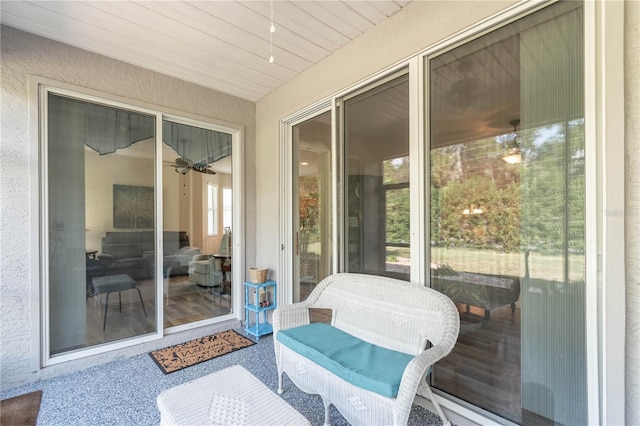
x=513, y=155
x=272, y=29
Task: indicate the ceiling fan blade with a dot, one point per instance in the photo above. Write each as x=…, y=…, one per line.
x=203, y=168
x=182, y=162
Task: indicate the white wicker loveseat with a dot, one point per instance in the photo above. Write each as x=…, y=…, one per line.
x=384, y=336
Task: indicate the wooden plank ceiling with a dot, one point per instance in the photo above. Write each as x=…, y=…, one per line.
x=223, y=45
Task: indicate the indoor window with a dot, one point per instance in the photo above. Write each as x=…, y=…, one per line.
x=212, y=209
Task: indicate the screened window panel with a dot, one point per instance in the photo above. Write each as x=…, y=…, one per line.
x=195, y=286
x=376, y=144
x=507, y=238
x=96, y=223
x=311, y=155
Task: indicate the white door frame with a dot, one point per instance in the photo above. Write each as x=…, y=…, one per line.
x=39, y=89
x=287, y=182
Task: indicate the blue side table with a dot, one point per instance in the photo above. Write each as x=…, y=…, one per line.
x=255, y=308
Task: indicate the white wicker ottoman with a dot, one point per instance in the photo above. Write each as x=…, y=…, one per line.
x=227, y=397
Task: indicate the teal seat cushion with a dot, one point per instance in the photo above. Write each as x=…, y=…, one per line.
x=360, y=363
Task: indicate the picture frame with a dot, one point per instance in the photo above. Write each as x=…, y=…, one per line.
x=133, y=206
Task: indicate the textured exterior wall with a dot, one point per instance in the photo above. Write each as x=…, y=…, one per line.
x=632, y=208
x=24, y=54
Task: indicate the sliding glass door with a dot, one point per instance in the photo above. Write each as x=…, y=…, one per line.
x=100, y=220
x=375, y=128
x=104, y=281
x=502, y=203
x=196, y=260
x=507, y=216
x=311, y=203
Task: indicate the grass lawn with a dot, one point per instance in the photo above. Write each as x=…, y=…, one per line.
x=500, y=263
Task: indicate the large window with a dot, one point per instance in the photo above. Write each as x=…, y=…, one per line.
x=227, y=208
x=212, y=209
x=395, y=181
x=507, y=216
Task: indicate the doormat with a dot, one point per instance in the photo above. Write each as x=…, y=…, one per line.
x=21, y=410
x=183, y=355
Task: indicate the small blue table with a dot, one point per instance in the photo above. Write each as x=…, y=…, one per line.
x=259, y=328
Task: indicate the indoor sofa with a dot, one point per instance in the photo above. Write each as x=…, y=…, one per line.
x=132, y=252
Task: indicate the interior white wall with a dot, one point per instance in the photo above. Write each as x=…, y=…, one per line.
x=137, y=171
x=417, y=27
x=25, y=55
x=99, y=181
x=172, y=190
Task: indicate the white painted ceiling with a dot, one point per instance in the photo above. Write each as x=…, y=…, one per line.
x=223, y=45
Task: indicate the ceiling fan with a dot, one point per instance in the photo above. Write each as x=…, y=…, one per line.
x=183, y=165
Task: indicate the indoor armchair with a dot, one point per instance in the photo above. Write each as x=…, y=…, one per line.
x=206, y=271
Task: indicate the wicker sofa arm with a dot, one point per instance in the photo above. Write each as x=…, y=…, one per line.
x=289, y=316
x=285, y=317
x=416, y=371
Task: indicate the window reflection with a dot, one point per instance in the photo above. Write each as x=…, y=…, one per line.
x=507, y=237
x=376, y=135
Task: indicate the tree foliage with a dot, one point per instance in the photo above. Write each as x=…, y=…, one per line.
x=537, y=204
x=309, y=211
x=396, y=179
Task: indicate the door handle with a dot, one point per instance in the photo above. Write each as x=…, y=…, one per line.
x=297, y=243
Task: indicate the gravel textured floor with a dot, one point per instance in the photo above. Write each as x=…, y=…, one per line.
x=124, y=392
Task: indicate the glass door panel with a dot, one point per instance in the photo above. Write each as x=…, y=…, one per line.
x=312, y=171
x=376, y=200
x=196, y=258
x=100, y=194
x=507, y=216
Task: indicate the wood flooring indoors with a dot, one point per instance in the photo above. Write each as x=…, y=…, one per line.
x=184, y=302
x=484, y=367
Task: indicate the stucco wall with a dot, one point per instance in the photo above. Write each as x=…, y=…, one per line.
x=632, y=208
x=25, y=54
x=419, y=26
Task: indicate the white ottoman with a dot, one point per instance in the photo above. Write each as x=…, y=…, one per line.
x=227, y=397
